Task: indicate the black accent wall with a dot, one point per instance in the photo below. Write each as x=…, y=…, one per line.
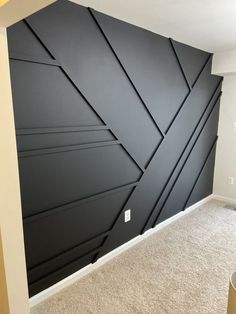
x=109, y=117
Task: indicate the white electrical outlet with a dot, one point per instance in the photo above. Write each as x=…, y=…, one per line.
x=127, y=215
x=231, y=180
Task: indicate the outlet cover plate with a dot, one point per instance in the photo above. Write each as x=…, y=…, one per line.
x=127, y=215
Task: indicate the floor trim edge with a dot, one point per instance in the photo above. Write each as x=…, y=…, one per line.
x=45, y=294
x=224, y=198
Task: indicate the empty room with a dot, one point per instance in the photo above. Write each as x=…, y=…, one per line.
x=118, y=150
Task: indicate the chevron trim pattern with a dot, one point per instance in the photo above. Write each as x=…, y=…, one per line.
x=109, y=117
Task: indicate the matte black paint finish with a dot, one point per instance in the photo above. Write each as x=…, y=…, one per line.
x=59, y=139
x=108, y=117
x=51, y=180
x=63, y=105
x=151, y=64
x=73, y=225
x=23, y=42
x=181, y=190
x=203, y=186
x=91, y=64
x=191, y=59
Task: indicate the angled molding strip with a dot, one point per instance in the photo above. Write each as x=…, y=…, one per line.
x=109, y=117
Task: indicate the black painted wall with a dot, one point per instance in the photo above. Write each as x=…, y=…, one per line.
x=108, y=117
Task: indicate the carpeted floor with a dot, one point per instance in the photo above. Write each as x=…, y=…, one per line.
x=182, y=269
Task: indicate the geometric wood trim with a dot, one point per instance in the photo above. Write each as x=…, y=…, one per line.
x=154, y=101
x=53, y=211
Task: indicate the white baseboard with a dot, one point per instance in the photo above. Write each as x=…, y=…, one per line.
x=45, y=294
x=224, y=199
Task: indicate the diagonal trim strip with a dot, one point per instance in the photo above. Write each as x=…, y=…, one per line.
x=165, y=205
x=214, y=144
x=178, y=169
x=155, y=171
x=181, y=68
x=67, y=74
x=126, y=73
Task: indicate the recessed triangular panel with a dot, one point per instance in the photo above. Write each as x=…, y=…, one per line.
x=22, y=41
x=71, y=33
x=46, y=98
x=203, y=187
x=151, y=64
x=191, y=59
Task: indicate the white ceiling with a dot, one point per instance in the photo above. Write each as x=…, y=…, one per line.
x=206, y=24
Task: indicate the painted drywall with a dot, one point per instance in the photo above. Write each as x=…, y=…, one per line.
x=15, y=10
x=9, y=15
x=12, y=256
x=184, y=20
x=13, y=279
x=225, y=164
x=4, y=304
x=100, y=132
x=224, y=63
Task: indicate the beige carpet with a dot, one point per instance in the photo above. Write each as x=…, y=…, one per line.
x=182, y=269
